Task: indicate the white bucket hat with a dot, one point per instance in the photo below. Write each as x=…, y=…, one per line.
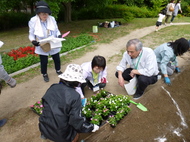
x=73, y=72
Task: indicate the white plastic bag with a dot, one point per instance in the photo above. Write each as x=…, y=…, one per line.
x=131, y=87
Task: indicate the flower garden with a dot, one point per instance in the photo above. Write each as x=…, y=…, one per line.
x=23, y=57
x=103, y=107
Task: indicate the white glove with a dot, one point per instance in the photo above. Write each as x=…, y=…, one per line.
x=96, y=127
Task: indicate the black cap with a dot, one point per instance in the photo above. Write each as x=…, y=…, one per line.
x=43, y=7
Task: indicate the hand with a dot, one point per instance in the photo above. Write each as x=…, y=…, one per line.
x=96, y=127
x=177, y=70
x=103, y=80
x=121, y=81
x=59, y=36
x=84, y=100
x=35, y=43
x=167, y=80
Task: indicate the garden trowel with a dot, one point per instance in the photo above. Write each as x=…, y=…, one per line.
x=139, y=105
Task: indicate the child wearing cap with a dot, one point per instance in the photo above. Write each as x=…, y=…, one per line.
x=61, y=118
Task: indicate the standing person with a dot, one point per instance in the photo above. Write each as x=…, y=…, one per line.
x=61, y=119
x=41, y=26
x=9, y=80
x=166, y=57
x=95, y=73
x=160, y=18
x=137, y=61
x=177, y=8
x=170, y=9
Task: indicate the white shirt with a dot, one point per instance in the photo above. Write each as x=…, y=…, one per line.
x=147, y=64
x=38, y=49
x=161, y=17
x=87, y=74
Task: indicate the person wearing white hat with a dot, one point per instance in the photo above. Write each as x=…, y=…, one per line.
x=42, y=26
x=61, y=118
x=9, y=80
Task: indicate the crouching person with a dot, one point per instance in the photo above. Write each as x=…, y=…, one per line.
x=61, y=119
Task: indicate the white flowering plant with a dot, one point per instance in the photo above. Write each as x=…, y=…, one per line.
x=106, y=105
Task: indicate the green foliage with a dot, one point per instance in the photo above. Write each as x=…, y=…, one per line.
x=72, y=43
x=8, y=63
x=128, y=16
x=13, y=20
x=11, y=65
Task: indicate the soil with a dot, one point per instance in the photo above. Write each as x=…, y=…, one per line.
x=165, y=120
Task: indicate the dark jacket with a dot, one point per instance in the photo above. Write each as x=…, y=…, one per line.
x=61, y=118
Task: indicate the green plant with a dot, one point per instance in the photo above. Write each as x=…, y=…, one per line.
x=105, y=111
x=37, y=107
x=87, y=112
x=112, y=121
x=96, y=119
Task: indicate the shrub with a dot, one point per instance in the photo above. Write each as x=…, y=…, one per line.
x=128, y=16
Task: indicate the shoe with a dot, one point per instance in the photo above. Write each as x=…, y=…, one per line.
x=11, y=82
x=165, y=24
x=171, y=23
x=136, y=96
x=156, y=30
x=43, y=137
x=59, y=72
x=46, y=78
x=2, y=122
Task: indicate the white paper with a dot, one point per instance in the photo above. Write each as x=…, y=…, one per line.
x=1, y=44
x=131, y=87
x=54, y=42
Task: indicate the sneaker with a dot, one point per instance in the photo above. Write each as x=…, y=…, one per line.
x=11, y=82
x=2, y=122
x=46, y=78
x=156, y=30
x=171, y=23
x=59, y=72
x=136, y=96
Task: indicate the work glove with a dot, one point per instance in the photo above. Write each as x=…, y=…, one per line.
x=167, y=80
x=103, y=80
x=35, y=43
x=96, y=127
x=83, y=101
x=59, y=36
x=177, y=70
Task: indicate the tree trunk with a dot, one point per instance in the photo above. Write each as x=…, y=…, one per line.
x=67, y=13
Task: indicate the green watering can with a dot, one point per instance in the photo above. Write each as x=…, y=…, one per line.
x=139, y=105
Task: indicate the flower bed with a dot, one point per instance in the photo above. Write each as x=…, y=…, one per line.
x=23, y=57
x=105, y=106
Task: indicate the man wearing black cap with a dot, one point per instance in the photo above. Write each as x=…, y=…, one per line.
x=42, y=26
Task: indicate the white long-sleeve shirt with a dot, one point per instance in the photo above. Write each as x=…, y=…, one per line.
x=147, y=65
x=176, y=9
x=87, y=74
x=32, y=36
